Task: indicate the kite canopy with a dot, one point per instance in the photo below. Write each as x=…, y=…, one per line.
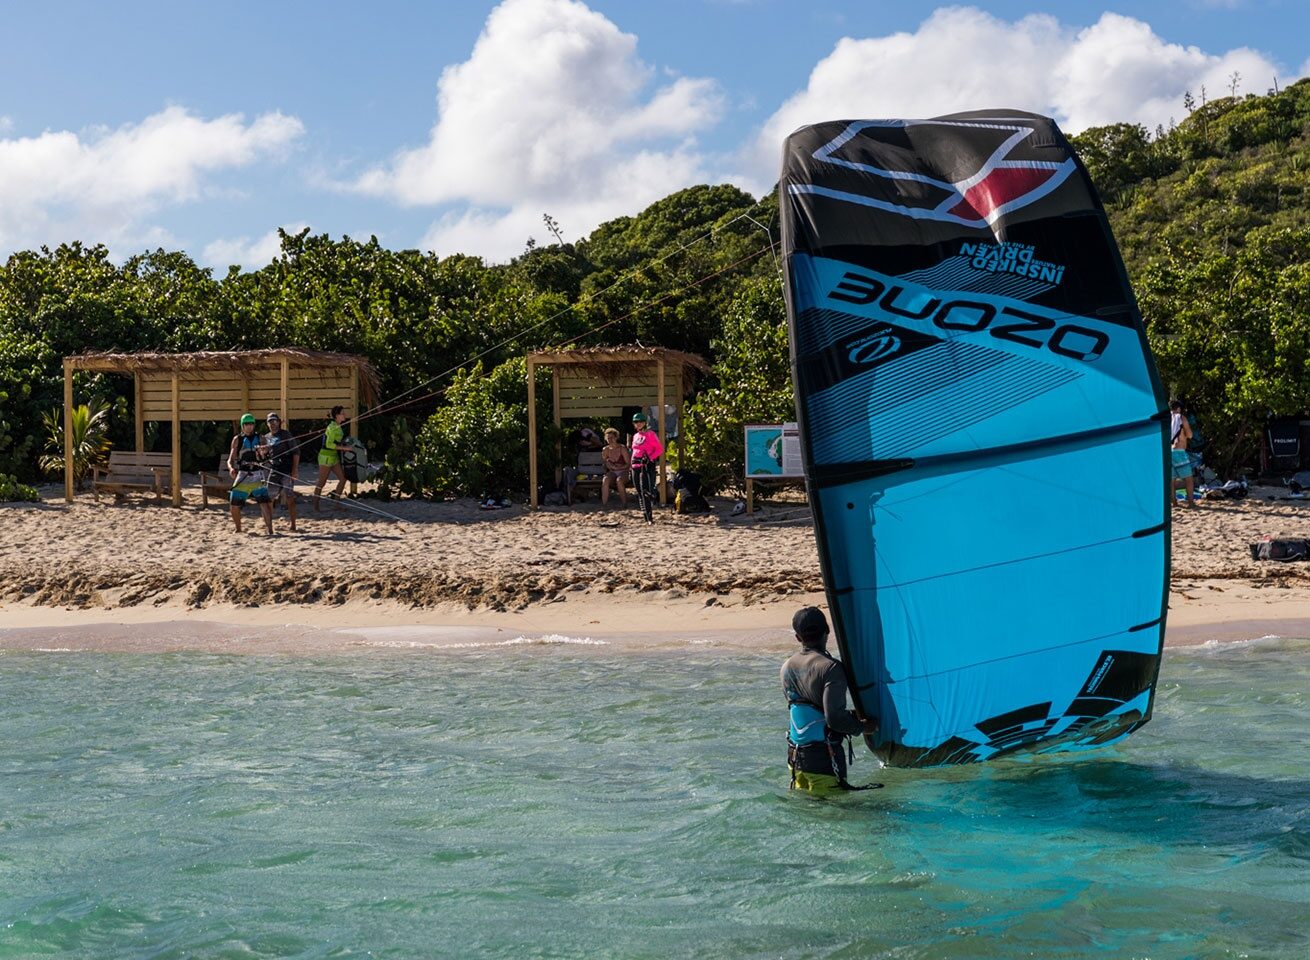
x=984, y=434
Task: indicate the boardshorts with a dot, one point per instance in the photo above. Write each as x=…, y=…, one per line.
x=1182, y=463
x=281, y=486
x=256, y=490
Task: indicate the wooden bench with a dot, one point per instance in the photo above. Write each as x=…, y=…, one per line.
x=218, y=483
x=132, y=472
x=591, y=471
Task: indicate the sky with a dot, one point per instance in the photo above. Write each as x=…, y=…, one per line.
x=453, y=125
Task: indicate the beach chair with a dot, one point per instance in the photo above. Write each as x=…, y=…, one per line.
x=132, y=472
x=590, y=471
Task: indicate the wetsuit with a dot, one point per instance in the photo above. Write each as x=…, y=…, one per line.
x=815, y=686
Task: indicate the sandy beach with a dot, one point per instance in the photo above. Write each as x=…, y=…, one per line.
x=461, y=575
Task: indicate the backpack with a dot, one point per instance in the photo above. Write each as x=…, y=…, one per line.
x=1283, y=549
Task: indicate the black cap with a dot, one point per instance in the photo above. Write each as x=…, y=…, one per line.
x=809, y=623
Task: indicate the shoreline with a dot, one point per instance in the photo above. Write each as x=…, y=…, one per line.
x=603, y=623
x=571, y=572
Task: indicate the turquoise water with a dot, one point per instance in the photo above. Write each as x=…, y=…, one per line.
x=550, y=802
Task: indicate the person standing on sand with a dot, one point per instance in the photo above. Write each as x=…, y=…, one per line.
x=1180, y=432
x=618, y=467
x=329, y=456
x=646, y=450
x=284, y=466
x=249, y=477
x=815, y=686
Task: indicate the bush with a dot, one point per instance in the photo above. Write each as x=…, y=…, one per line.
x=12, y=490
x=754, y=385
x=478, y=443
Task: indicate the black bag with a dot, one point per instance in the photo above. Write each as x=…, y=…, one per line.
x=1283, y=549
x=689, y=499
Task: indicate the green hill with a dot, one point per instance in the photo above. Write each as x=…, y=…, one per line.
x=1213, y=216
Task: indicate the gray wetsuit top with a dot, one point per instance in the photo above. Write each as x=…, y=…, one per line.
x=813, y=676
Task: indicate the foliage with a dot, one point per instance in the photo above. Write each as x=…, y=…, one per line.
x=11, y=490
x=477, y=444
x=90, y=440
x=1211, y=215
x=1231, y=334
x=753, y=375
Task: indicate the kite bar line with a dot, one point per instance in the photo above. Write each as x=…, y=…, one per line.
x=297, y=482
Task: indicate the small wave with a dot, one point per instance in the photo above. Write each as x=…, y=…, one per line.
x=550, y=639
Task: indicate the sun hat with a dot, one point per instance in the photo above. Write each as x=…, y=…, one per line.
x=247, y=418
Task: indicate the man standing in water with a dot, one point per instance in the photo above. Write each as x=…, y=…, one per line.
x=815, y=686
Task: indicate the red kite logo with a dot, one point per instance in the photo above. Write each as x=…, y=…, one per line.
x=976, y=196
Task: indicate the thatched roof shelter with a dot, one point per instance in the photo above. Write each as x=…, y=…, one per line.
x=595, y=383
x=222, y=385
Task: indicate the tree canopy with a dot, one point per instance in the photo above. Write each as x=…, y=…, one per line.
x=1212, y=215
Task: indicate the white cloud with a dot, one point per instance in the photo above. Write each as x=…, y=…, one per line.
x=244, y=252
x=102, y=185
x=551, y=112
x=962, y=58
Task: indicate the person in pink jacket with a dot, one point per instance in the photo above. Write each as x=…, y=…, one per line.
x=646, y=451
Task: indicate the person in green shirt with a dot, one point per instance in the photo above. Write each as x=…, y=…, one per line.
x=329, y=455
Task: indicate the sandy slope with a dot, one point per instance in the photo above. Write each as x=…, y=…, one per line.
x=552, y=571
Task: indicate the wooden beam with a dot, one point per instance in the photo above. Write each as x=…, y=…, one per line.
x=554, y=400
x=68, y=432
x=677, y=404
x=140, y=414
x=286, y=376
x=659, y=420
x=532, y=435
x=245, y=397
x=177, y=443
x=354, y=398
x=354, y=415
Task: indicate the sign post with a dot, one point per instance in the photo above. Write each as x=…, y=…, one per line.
x=773, y=452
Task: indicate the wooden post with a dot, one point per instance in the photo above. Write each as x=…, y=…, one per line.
x=659, y=421
x=140, y=413
x=750, y=497
x=177, y=442
x=554, y=402
x=677, y=404
x=68, y=432
x=354, y=414
x=286, y=380
x=245, y=398
x=532, y=435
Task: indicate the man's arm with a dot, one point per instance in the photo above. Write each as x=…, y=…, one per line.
x=231, y=456
x=835, y=713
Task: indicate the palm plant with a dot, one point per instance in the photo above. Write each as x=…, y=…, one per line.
x=90, y=440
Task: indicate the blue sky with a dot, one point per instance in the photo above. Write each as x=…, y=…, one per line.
x=204, y=127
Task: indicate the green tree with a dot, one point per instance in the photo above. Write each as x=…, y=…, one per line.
x=753, y=384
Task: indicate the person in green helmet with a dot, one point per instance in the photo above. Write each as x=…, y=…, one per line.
x=329, y=456
x=245, y=463
x=646, y=452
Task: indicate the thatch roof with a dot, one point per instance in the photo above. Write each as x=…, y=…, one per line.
x=635, y=353
x=234, y=361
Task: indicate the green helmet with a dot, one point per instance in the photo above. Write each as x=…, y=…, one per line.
x=639, y=417
x=247, y=418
